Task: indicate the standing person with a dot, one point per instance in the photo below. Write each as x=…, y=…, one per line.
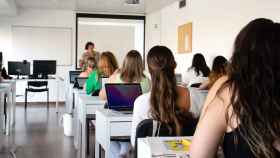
x=242, y=110
x=198, y=72
x=107, y=64
x=90, y=52
x=218, y=70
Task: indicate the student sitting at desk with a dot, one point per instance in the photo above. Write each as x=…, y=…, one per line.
x=90, y=67
x=93, y=84
x=132, y=71
x=167, y=102
x=218, y=70
x=107, y=64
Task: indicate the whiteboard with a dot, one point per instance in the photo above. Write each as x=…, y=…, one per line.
x=42, y=43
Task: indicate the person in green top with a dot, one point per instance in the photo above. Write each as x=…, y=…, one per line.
x=132, y=71
x=93, y=84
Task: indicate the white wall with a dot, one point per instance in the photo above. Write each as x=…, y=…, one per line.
x=36, y=18
x=215, y=25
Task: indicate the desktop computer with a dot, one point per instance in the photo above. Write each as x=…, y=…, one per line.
x=43, y=68
x=19, y=68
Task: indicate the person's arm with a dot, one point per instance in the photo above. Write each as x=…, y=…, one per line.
x=204, y=85
x=102, y=93
x=211, y=127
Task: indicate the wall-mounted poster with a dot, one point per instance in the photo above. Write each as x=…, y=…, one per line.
x=185, y=38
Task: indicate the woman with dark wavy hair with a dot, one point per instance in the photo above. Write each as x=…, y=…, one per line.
x=243, y=109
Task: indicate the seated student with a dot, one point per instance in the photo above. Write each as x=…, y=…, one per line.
x=242, y=110
x=167, y=102
x=90, y=67
x=93, y=84
x=198, y=72
x=132, y=71
x=107, y=64
x=218, y=70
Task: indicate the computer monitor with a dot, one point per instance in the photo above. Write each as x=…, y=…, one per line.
x=44, y=67
x=18, y=68
x=122, y=96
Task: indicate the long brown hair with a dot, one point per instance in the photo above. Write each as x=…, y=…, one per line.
x=108, y=60
x=254, y=80
x=164, y=95
x=132, y=69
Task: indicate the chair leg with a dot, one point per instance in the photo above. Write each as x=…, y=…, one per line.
x=25, y=102
x=48, y=103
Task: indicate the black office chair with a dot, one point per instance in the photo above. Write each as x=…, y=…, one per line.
x=37, y=87
x=152, y=128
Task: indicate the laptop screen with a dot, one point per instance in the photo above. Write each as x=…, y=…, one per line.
x=122, y=96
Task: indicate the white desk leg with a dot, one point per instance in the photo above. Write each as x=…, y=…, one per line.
x=9, y=112
x=97, y=149
x=13, y=118
x=83, y=149
x=2, y=115
x=57, y=95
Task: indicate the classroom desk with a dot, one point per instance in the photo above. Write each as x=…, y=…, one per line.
x=154, y=147
x=86, y=109
x=6, y=118
x=13, y=84
x=54, y=88
x=110, y=124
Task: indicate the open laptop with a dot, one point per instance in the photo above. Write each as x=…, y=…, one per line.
x=80, y=82
x=178, y=78
x=121, y=97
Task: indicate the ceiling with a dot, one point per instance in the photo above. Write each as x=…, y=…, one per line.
x=111, y=6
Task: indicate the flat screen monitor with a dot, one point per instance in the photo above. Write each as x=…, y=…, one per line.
x=44, y=67
x=18, y=68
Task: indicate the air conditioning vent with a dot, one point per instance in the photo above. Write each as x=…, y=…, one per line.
x=182, y=3
x=132, y=1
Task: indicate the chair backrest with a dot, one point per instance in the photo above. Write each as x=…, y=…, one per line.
x=152, y=128
x=37, y=84
x=73, y=75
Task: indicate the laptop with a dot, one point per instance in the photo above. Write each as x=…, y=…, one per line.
x=121, y=97
x=80, y=82
x=73, y=75
x=178, y=78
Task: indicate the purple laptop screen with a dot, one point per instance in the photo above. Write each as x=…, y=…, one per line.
x=122, y=95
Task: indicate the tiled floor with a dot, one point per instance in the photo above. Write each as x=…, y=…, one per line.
x=38, y=134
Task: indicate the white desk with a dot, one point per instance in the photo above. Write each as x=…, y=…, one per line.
x=14, y=94
x=6, y=89
x=110, y=124
x=153, y=147
x=87, y=105
x=55, y=88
